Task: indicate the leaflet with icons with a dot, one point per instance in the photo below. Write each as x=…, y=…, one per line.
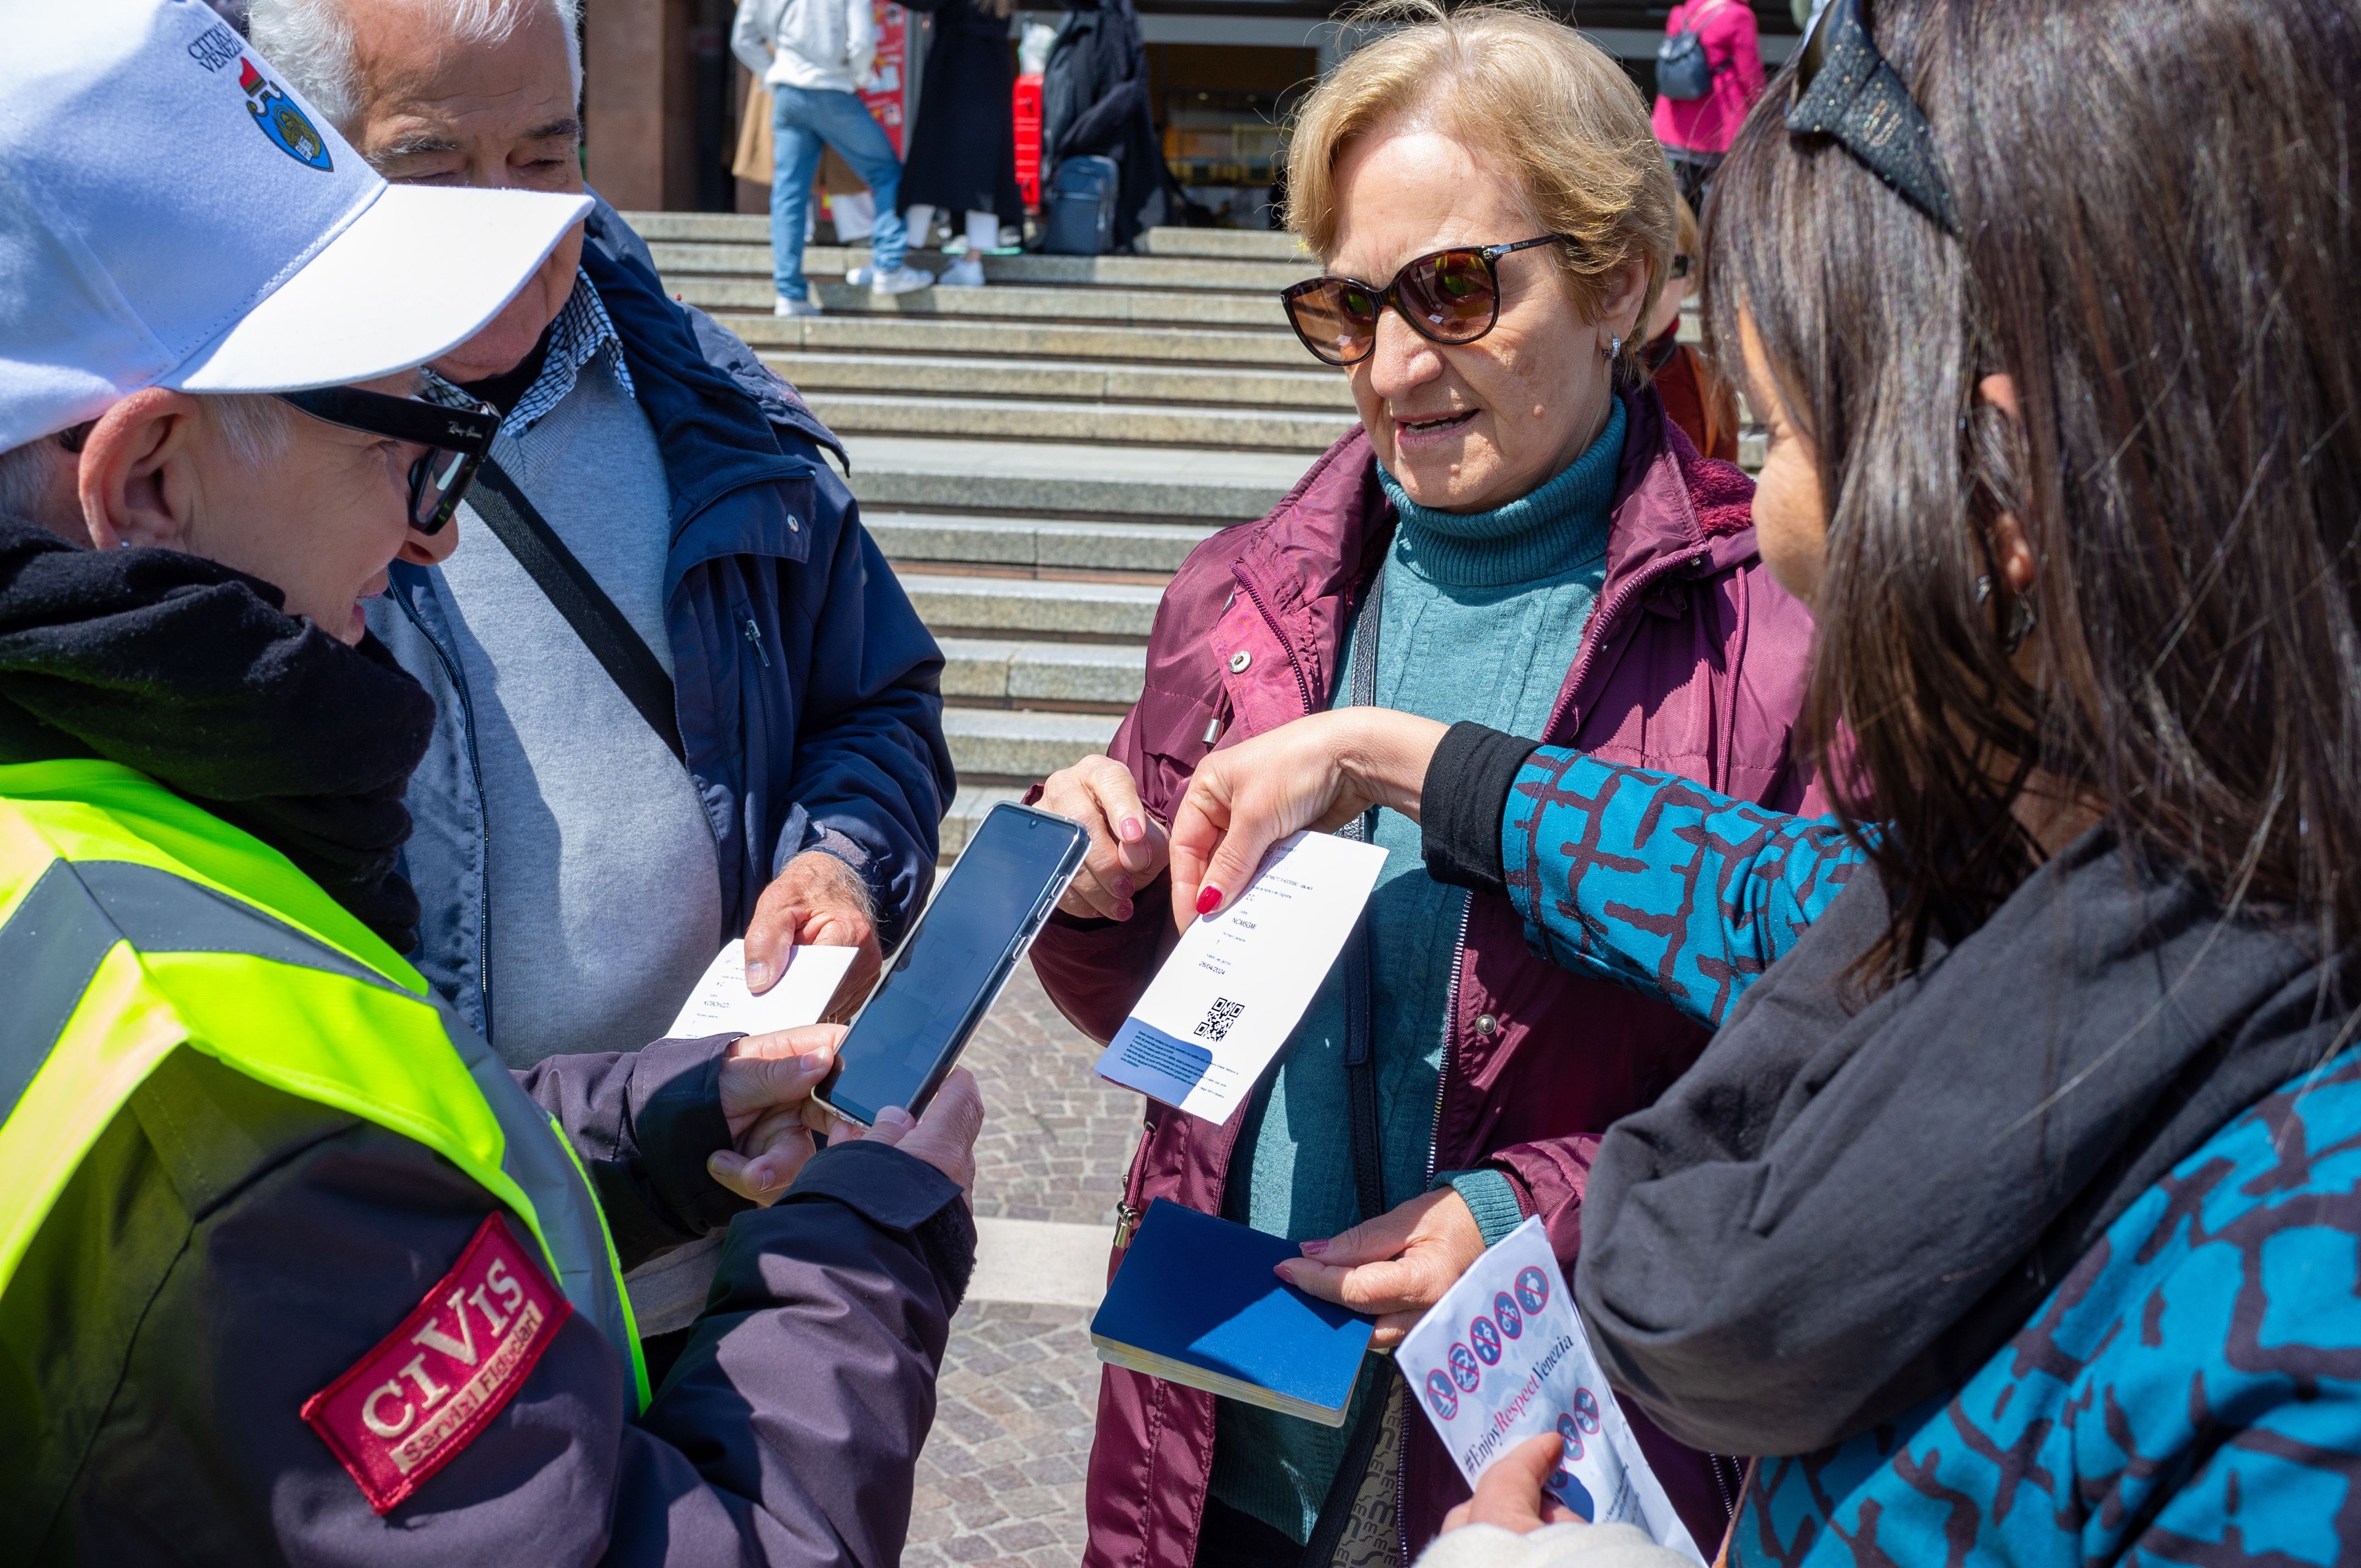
x=1231, y=992
x=1502, y=1358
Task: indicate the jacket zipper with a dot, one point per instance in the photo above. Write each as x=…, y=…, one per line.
x=1303, y=681
x=1433, y=1133
x=1127, y=1212
x=1602, y=621
x=483, y=812
x=754, y=635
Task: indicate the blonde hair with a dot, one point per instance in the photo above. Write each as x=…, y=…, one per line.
x=1535, y=99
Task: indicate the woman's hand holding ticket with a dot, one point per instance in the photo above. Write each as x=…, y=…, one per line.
x=1318, y=773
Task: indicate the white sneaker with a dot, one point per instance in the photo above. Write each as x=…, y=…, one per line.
x=783, y=306
x=857, y=277
x=904, y=280
x=965, y=273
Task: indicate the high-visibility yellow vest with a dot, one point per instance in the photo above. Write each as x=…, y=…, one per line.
x=133, y=924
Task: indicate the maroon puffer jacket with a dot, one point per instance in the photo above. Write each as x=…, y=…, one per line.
x=1694, y=662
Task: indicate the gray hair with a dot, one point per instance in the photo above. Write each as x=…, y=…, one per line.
x=310, y=42
x=24, y=479
x=255, y=426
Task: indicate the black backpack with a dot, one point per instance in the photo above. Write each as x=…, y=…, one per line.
x=1077, y=213
x=1682, y=70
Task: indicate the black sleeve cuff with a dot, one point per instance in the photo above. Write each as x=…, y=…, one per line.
x=897, y=1191
x=676, y=1121
x=1462, y=803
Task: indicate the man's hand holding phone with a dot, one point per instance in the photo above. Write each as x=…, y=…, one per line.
x=765, y=1088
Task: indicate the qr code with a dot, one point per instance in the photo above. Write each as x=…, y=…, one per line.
x=1218, y=1019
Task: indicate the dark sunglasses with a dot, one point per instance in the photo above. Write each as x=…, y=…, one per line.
x=456, y=441
x=1845, y=89
x=1449, y=296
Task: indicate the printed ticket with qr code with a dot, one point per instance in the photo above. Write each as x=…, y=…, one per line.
x=1231, y=992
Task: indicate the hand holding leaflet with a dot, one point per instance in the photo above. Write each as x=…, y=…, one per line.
x=1503, y=1357
x=1231, y=992
x=721, y=1004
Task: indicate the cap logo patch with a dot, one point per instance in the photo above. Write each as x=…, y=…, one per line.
x=290, y=129
x=409, y=1406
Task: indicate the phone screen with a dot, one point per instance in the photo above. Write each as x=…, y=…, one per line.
x=948, y=972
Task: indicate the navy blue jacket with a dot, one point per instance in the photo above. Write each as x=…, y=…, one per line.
x=808, y=692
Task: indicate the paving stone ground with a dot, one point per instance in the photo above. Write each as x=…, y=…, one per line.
x=1000, y=1484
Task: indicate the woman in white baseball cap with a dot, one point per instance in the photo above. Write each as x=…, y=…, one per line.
x=247, y=1162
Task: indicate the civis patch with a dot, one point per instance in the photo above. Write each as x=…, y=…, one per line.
x=410, y=1406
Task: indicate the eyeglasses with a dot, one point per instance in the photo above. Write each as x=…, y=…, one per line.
x=456, y=441
x=1845, y=89
x=1450, y=296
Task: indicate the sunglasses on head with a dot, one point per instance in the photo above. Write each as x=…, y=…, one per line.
x=456, y=441
x=1844, y=90
x=1450, y=296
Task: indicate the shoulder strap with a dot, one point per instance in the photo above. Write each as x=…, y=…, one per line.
x=1361, y=1087
x=1360, y=1064
x=621, y=651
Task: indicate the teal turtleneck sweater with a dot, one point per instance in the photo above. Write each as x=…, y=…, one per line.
x=1482, y=616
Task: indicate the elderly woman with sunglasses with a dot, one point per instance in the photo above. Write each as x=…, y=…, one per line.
x=1515, y=536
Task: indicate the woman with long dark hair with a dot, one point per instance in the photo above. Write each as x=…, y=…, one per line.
x=2017, y=1204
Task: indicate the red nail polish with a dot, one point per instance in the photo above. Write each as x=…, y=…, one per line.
x=1313, y=1249
x=1208, y=900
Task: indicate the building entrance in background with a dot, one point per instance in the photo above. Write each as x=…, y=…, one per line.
x=1220, y=108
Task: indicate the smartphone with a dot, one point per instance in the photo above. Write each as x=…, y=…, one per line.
x=951, y=969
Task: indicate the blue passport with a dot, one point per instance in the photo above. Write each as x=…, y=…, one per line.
x=1195, y=1301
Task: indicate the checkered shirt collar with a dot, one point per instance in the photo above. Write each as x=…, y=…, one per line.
x=582, y=330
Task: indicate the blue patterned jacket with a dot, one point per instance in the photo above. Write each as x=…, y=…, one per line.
x=2190, y=1393
x=1659, y=884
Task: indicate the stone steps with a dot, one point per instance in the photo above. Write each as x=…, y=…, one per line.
x=967, y=812
x=689, y=258
x=1048, y=608
x=1122, y=425
x=1068, y=381
x=1040, y=545
x=1242, y=245
x=1061, y=480
x=1132, y=306
x=755, y=228
x=1056, y=676
x=864, y=332
x=996, y=746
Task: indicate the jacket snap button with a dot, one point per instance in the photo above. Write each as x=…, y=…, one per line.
x=1239, y=661
x=1487, y=1024
x=795, y=524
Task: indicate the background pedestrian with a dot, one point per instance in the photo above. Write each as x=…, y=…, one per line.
x=962, y=160
x=814, y=56
x=1095, y=100
x=1695, y=132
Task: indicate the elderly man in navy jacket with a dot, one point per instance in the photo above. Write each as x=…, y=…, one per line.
x=579, y=867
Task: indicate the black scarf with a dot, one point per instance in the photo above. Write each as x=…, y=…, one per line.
x=191, y=672
x=1835, y=1216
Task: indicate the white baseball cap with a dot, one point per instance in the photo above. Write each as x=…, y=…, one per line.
x=172, y=215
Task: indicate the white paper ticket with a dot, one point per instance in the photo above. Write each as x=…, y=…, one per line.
x=721, y=1004
x=1231, y=992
